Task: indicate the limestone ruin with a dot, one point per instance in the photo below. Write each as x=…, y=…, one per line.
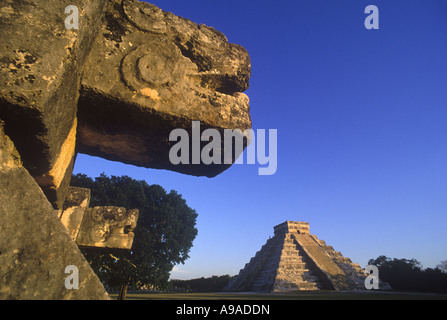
x=101, y=227
x=114, y=87
x=295, y=260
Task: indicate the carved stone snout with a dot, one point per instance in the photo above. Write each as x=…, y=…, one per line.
x=104, y=227
x=108, y=227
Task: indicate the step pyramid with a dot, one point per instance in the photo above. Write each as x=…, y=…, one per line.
x=295, y=260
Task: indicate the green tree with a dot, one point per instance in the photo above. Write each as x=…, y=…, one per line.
x=442, y=266
x=163, y=236
x=213, y=284
x=401, y=274
x=407, y=274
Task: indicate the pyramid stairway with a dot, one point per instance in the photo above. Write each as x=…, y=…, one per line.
x=295, y=260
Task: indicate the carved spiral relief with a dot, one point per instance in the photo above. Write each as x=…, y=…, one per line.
x=152, y=66
x=145, y=16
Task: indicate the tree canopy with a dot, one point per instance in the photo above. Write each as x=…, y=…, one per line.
x=408, y=274
x=212, y=284
x=163, y=237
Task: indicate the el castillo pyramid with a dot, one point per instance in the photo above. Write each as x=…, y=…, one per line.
x=296, y=260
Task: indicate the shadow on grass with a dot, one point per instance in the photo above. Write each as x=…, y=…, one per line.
x=309, y=295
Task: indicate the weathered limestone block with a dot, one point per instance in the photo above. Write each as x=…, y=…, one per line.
x=292, y=227
x=103, y=227
x=9, y=157
x=76, y=202
x=150, y=72
x=40, y=67
x=35, y=247
x=108, y=227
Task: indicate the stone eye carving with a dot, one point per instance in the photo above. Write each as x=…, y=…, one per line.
x=153, y=66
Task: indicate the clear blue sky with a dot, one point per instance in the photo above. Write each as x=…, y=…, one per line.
x=362, y=132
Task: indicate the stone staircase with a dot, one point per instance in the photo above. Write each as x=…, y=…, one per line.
x=294, y=272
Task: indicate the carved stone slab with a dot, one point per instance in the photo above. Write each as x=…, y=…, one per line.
x=108, y=227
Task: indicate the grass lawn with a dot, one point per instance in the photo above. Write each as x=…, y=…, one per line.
x=312, y=295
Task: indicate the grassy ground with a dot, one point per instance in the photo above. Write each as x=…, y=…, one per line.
x=314, y=295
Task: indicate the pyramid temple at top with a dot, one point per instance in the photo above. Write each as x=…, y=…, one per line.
x=296, y=260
